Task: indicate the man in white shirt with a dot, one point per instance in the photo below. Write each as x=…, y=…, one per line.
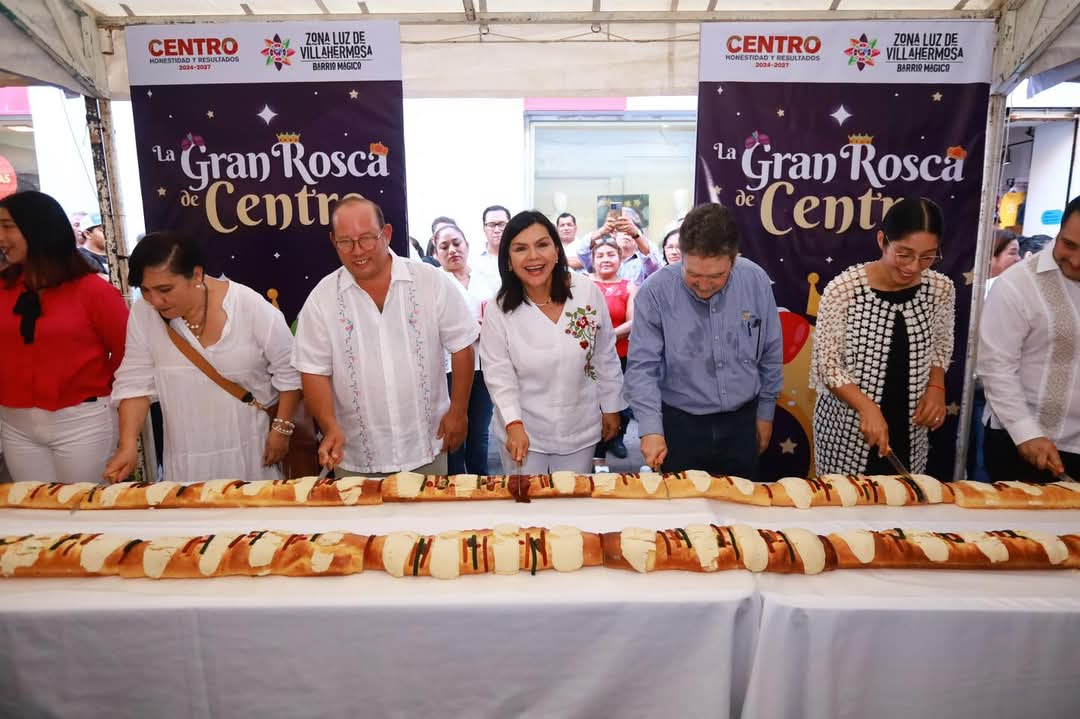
x=1029, y=345
x=487, y=260
x=369, y=345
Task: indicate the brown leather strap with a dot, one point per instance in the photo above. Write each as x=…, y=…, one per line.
x=207, y=369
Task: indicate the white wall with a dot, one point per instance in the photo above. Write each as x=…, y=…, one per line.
x=62, y=147
x=1051, y=154
x=462, y=155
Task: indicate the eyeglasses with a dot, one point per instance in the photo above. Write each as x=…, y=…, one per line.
x=495, y=225
x=906, y=258
x=366, y=242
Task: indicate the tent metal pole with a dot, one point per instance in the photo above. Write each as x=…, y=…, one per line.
x=992, y=164
x=103, y=150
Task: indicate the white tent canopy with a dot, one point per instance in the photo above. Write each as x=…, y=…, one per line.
x=506, y=48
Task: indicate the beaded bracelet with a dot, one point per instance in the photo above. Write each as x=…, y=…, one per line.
x=283, y=426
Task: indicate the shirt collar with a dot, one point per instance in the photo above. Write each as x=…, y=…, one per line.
x=1046, y=259
x=399, y=272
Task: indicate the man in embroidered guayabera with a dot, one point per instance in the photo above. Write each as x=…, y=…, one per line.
x=1029, y=352
x=369, y=346
x=704, y=367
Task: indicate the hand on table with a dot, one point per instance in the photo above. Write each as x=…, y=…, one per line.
x=874, y=429
x=332, y=447
x=517, y=442
x=122, y=464
x=654, y=450
x=1042, y=454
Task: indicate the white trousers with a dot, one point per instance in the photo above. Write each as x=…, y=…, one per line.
x=579, y=462
x=68, y=445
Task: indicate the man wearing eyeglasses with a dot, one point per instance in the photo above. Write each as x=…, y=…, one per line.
x=369, y=346
x=1029, y=342
x=487, y=260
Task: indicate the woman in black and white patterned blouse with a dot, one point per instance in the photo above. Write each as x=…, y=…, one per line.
x=883, y=341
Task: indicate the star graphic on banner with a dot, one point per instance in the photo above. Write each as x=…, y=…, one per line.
x=266, y=114
x=210, y=114
x=841, y=115
x=896, y=94
x=952, y=409
x=787, y=446
x=969, y=278
x=719, y=90
x=780, y=112
x=738, y=114
x=353, y=94
x=149, y=93
x=829, y=260
x=781, y=259
x=717, y=189
x=161, y=192
x=936, y=97
x=346, y=134
x=277, y=255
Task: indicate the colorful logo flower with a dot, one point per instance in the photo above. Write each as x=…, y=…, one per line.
x=862, y=52
x=278, y=52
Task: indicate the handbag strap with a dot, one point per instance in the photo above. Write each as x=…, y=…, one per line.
x=196, y=358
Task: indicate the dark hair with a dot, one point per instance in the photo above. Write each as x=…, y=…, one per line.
x=442, y=220
x=565, y=214
x=512, y=292
x=179, y=254
x=1070, y=209
x=353, y=199
x=51, y=255
x=602, y=241
x=493, y=208
x=1034, y=244
x=709, y=230
x=450, y=226
x=663, y=243
x=912, y=214
x=1002, y=238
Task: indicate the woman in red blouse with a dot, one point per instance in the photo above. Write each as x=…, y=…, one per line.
x=62, y=330
x=619, y=295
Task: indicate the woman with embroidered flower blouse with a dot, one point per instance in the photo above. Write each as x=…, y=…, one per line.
x=548, y=351
x=884, y=339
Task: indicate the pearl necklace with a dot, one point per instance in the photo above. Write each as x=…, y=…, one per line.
x=197, y=327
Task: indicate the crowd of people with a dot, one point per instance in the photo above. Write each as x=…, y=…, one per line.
x=560, y=339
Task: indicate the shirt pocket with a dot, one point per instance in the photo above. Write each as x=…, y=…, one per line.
x=748, y=338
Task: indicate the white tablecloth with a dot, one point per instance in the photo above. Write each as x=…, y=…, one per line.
x=591, y=643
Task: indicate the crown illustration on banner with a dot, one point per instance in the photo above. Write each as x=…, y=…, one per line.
x=956, y=152
x=861, y=139
x=288, y=137
x=377, y=148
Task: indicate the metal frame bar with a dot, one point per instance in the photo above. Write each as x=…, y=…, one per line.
x=992, y=165
x=560, y=18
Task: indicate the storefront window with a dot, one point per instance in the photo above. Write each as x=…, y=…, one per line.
x=580, y=166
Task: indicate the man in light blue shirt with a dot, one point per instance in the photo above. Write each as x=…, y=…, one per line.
x=706, y=353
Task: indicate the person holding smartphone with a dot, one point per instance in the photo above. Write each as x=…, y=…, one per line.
x=638, y=259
